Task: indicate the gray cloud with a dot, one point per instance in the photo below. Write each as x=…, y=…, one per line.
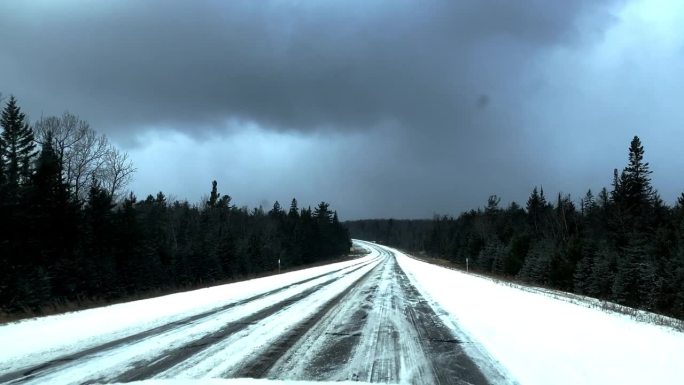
x=343, y=65
x=392, y=101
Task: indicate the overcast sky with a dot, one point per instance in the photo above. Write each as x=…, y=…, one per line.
x=392, y=108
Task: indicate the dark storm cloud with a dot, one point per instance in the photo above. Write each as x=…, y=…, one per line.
x=387, y=108
x=342, y=65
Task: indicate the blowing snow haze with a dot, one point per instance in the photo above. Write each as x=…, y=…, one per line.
x=383, y=108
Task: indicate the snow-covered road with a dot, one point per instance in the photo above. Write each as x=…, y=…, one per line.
x=361, y=320
x=385, y=317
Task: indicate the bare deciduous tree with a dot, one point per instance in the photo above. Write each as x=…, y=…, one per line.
x=85, y=155
x=117, y=172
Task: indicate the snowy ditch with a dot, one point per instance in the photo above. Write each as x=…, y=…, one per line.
x=539, y=339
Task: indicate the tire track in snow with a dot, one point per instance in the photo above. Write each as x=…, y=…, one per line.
x=449, y=364
x=384, y=331
x=388, y=350
x=328, y=345
x=150, y=367
x=61, y=362
x=259, y=366
x=369, y=325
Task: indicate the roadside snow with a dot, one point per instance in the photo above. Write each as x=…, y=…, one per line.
x=542, y=340
x=40, y=339
x=218, y=358
x=239, y=381
x=223, y=358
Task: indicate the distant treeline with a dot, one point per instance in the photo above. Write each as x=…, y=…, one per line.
x=65, y=236
x=623, y=245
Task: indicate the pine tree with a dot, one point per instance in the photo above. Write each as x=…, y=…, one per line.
x=322, y=213
x=2, y=164
x=294, y=210
x=617, y=194
x=226, y=255
x=536, y=205
x=582, y=276
x=537, y=266
x=587, y=203
x=635, y=179
x=213, y=198
x=492, y=252
x=18, y=148
x=492, y=205
x=46, y=208
x=602, y=272
x=47, y=180
x=276, y=211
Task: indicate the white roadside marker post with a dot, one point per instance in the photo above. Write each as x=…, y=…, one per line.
x=278, y=265
x=467, y=267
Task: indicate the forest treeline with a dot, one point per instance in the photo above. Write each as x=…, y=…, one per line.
x=66, y=235
x=623, y=244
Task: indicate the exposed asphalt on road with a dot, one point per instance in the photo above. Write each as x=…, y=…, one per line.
x=364, y=322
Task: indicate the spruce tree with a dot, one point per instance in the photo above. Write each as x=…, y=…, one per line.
x=213, y=198
x=582, y=276
x=294, y=210
x=47, y=180
x=587, y=204
x=48, y=220
x=536, y=205
x=2, y=164
x=17, y=146
x=276, y=211
x=322, y=213
x=635, y=179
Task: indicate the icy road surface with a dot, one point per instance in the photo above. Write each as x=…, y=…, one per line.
x=361, y=320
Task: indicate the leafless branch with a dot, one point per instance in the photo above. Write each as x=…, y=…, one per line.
x=85, y=155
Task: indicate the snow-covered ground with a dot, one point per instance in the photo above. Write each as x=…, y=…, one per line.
x=356, y=321
x=240, y=381
x=539, y=339
x=33, y=341
x=385, y=317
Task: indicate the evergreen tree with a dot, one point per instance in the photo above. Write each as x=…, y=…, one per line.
x=59, y=245
x=276, y=211
x=625, y=245
x=537, y=266
x=536, y=205
x=3, y=166
x=294, y=210
x=493, y=253
x=41, y=232
x=582, y=276
x=636, y=180
x=96, y=256
x=587, y=203
x=18, y=148
x=226, y=253
x=633, y=195
x=492, y=205
x=322, y=213
x=603, y=269
x=214, y=196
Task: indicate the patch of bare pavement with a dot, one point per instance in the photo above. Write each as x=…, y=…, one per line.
x=382, y=331
x=363, y=323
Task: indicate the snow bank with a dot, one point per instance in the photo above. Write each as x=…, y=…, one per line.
x=542, y=340
x=45, y=336
x=239, y=381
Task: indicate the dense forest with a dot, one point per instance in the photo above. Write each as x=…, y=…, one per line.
x=624, y=244
x=67, y=234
